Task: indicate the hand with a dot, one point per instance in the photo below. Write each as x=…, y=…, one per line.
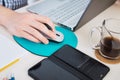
x=26, y=25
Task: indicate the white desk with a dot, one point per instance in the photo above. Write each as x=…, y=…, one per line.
x=20, y=69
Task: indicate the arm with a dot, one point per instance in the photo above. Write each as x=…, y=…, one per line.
x=25, y=25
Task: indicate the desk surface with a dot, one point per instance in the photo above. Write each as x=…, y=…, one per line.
x=20, y=69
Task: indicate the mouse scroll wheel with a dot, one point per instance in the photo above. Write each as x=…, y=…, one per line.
x=57, y=34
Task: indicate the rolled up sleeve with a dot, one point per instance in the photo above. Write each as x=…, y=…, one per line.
x=13, y=4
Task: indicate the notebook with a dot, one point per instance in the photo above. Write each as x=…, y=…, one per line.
x=10, y=53
x=70, y=13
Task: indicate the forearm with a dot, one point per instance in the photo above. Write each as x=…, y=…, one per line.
x=5, y=13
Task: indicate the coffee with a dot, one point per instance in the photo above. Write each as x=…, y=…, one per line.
x=110, y=47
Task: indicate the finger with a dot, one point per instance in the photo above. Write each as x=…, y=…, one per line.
x=29, y=37
x=36, y=34
x=41, y=27
x=44, y=19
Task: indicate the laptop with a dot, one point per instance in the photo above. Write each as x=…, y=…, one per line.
x=70, y=13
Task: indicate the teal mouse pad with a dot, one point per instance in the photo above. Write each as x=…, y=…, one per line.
x=46, y=50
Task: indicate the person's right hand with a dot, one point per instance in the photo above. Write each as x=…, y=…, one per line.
x=26, y=25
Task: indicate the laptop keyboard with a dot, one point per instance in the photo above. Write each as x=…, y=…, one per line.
x=68, y=10
x=62, y=14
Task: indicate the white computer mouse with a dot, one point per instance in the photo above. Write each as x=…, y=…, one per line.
x=59, y=37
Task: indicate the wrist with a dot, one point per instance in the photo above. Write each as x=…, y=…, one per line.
x=5, y=15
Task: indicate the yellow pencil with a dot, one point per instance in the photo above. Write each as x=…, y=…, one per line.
x=15, y=61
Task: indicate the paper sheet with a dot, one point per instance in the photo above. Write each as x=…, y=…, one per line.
x=9, y=51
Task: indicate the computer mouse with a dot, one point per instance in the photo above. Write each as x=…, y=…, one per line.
x=59, y=35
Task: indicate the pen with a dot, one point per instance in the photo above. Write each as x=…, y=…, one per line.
x=12, y=77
